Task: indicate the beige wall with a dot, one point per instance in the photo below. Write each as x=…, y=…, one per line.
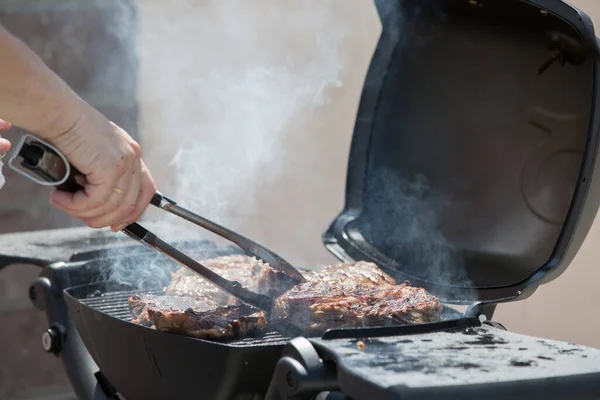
x=274, y=168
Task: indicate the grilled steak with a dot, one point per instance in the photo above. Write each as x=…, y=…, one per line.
x=336, y=296
x=360, y=272
x=203, y=319
x=318, y=306
x=251, y=273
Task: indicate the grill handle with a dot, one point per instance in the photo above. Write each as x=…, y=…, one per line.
x=7, y=261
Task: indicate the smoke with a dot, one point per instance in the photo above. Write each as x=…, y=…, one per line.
x=233, y=99
x=225, y=85
x=408, y=226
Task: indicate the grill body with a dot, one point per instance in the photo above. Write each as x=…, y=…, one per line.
x=143, y=363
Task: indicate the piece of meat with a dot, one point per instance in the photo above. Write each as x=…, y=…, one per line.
x=336, y=296
x=318, y=306
x=361, y=272
x=250, y=272
x=203, y=319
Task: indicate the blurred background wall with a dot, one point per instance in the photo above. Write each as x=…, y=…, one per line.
x=246, y=119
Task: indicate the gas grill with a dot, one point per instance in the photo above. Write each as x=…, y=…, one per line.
x=471, y=174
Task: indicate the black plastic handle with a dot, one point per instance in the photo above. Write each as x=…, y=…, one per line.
x=71, y=186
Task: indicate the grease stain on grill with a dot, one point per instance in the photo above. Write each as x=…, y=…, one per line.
x=566, y=351
x=426, y=340
x=518, y=363
x=456, y=348
x=466, y=365
x=405, y=341
x=485, y=339
x=522, y=348
x=546, y=358
x=557, y=348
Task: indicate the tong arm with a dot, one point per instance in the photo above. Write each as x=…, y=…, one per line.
x=141, y=234
x=248, y=246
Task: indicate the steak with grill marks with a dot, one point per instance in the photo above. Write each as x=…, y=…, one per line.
x=361, y=272
x=251, y=273
x=199, y=318
x=336, y=296
x=318, y=306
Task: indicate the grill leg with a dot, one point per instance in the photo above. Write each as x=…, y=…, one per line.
x=63, y=340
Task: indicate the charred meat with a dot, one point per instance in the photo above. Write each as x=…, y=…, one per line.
x=358, y=273
x=251, y=273
x=203, y=319
x=318, y=306
x=336, y=296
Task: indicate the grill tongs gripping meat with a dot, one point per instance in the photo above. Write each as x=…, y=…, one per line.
x=45, y=165
x=251, y=248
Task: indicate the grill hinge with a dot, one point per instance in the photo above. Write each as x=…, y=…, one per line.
x=301, y=374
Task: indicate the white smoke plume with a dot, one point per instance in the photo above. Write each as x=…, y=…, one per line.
x=227, y=89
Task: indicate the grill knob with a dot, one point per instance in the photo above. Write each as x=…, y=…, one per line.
x=51, y=341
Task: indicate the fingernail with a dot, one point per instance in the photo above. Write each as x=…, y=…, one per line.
x=80, y=180
x=56, y=197
x=120, y=227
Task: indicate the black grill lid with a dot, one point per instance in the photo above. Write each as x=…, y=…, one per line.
x=471, y=174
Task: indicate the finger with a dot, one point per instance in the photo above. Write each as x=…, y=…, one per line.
x=4, y=125
x=147, y=191
x=73, y=202
x=4, y=146
x=98, y=194
x=115, y=201
x=117, y=216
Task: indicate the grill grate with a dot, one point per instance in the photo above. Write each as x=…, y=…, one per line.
x=115, y=305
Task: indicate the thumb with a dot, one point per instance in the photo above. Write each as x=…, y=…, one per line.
x=4, y=146
x=4, y=125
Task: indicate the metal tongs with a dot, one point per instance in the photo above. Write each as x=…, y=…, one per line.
x=44, y=164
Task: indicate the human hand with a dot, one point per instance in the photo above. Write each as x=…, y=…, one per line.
x=4, y=147
x=117, y=185
x=4, y=144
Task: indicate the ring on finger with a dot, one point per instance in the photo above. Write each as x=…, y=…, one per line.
x=118, y=190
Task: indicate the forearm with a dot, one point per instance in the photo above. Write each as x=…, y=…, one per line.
x=32, y=96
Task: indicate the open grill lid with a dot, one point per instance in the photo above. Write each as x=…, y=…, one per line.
x=472, y=169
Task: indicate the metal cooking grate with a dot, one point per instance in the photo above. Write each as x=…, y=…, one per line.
x=115, y=305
